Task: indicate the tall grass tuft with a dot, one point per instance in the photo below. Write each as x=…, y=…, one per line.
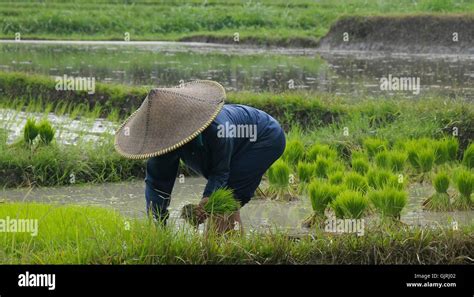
x=389, y=202
x=441, y=152
x=349, y=204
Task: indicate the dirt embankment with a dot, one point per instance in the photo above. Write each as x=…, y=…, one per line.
x=448, y=34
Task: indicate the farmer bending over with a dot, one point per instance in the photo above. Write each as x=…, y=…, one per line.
x=230, y=145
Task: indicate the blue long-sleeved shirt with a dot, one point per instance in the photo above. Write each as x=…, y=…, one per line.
x=211, y=153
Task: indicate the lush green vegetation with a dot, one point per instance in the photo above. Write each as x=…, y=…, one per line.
x=264, y=22
x=89, y=235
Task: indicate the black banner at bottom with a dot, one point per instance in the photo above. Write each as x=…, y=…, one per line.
x=63, y=280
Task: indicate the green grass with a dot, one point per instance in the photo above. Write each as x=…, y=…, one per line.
x=464, y=181
x=468, y=159
x=263, y=22
x=90, y=235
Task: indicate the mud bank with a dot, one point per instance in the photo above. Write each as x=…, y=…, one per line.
x=450, y=34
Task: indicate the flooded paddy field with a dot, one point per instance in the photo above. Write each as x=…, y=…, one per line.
x=258, y=214
x=240, y=68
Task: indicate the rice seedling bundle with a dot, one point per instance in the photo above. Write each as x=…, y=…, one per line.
x=30, y=131
x=349, y=204
x=426, y=159
x=46, y=132
x=441, y=182
x=294, y=152
x=389, y=202
x=278, y=174
x=305, y=171
x=321, y=194
x=382, y=159
x=356, y=182
x=452, y=145
x=397, y=160
x=374, y=146
x=320, y=150
x=465, y=184
x=380, y=178
x=321, y=167
x=221, y=202
x=360, y=166
x=468, y=159
x=441, y=152
x=336, y=178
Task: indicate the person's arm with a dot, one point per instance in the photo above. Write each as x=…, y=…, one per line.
x=160, y=177
x=221, y=155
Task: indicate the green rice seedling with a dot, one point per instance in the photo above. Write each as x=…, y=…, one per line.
x=397, y=160
x=30, y=131
x=412, y=155
x=360, y=166
x=382, y=159
x=321, y=194
x=374, y=146
x=468, y=159
x=294, y=152
x=389, y=202
x=336, y=178
x=356, y=182
x=380, y=178
x=321, y=167
x=441, y=152
x=46, y=131
x=464, y=183
x=350, y=205
x=440, y=201
x=320, y=150
x=278, y=177
x=452, y=145
x=426, y=159
x=441, y=182
x=305, y=172
x=221, y=202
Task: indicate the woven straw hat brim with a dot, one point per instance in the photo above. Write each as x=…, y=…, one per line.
x=169, y=118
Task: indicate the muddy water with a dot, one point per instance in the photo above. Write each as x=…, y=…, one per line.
x=240, y=67
x=128, y=198
x=68, y=130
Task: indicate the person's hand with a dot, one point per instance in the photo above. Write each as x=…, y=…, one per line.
x=203, y=201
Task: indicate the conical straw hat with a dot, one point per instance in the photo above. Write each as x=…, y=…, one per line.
x=168, y=118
